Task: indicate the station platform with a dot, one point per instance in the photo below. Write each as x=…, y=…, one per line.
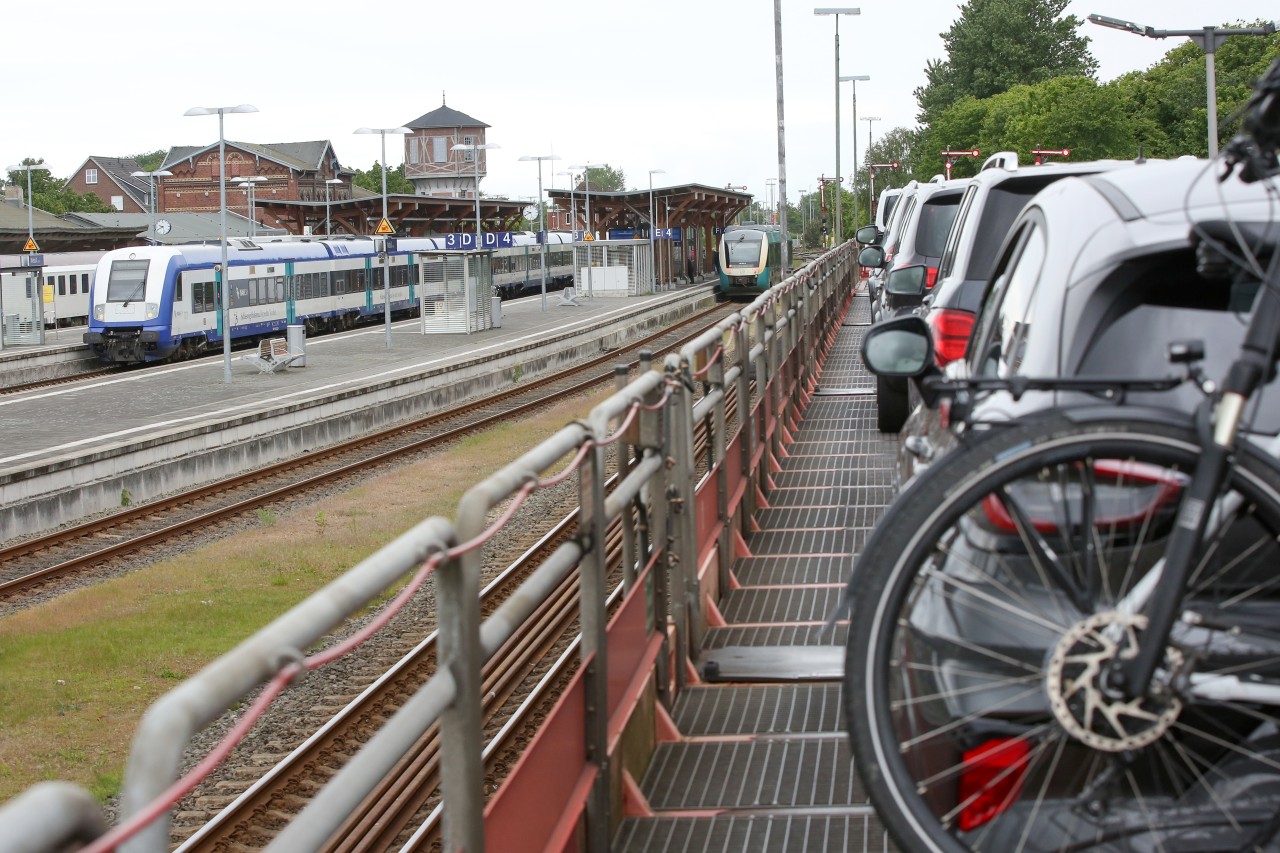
x=762, y=761
x=71, y=450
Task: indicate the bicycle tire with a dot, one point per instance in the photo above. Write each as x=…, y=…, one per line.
x=973, y=721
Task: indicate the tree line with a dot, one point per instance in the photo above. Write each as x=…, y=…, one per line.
x=1018, y=76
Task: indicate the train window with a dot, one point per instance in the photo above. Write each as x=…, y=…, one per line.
x=277, y=294
x=84, y=283
x=62, y=285
x=339, y=283
x=127, y=281
x=177, y=288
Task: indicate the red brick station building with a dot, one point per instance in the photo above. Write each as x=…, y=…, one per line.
x=301, y=187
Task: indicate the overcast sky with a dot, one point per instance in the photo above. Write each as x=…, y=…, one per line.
x=687, y=86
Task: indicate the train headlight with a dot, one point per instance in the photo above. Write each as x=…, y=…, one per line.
x=153, y=310
x=100, y=312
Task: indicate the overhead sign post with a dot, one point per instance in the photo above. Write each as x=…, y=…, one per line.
x=950, y=158
x=1041, y=153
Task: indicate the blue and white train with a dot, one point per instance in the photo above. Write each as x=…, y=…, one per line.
x=155, y=303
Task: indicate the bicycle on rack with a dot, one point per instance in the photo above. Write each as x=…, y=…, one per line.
x=1066, y=634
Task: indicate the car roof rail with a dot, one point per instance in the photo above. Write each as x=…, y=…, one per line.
x=1001, y=160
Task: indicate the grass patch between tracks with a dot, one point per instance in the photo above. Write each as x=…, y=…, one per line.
x=78, y=672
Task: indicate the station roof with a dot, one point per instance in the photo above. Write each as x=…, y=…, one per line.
x=57, y=234
x=410, y=215
x=683, y=204
x=187, y=227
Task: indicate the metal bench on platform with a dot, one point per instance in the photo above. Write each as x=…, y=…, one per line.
x=273, y=354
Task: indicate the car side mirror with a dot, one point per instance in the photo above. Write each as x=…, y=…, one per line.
x=899, y=347
x=906, y=281
x=871, y=256
x=868, y=234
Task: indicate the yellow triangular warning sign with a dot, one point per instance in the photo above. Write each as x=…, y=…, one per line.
x=384, y=227
x=588, y=237
x=30, y=245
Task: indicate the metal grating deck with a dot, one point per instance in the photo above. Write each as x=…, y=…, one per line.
x=776, y=834
x=787, y=772
x=763, y=762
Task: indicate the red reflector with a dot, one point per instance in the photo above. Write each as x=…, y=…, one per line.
x=1126, y=493
x=991, y=780
x=951, y=330
x=930, y=277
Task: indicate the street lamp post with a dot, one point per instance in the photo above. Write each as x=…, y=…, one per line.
x=247, y=184
x=573, y=200
x=653, y=255
x=151, y=192
x=542, y=221
x=328, y=227
x=467, y=146
x=1209, y=39
x=839, y=238
x=28, y=167
x=853, y=81
x=386, y=261
x=871, y=183
x=223, y=273
x=586, y=177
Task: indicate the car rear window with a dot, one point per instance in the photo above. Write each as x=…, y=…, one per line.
x=1144, y=306
x=935, y=221
x=1002, y=207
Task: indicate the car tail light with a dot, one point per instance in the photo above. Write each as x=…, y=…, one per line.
x=1125, y=493
x=991, y=780
x=930, y=277
x=951, y=330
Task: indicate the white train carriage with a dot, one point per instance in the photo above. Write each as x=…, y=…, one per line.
x=67, y=277
x=152, y=303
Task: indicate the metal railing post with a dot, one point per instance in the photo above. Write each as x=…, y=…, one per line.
x=461, y=734
x=593, y=592
x=625, y=458
x=683, y=538
x=746, y=420
x=717, y=441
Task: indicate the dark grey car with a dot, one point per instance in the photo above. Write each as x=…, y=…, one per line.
x=1096, y=278
x=906, y=268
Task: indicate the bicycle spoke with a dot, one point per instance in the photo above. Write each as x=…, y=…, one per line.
x=969, y=690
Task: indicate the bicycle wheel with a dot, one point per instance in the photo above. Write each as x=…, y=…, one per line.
x=987, y=606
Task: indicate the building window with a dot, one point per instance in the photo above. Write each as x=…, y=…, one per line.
x=469, y=156
x=117, y=201
x=440, y=146
x=90, y=176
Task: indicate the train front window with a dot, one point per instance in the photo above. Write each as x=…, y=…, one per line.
x=744, y=248
x=127, y=282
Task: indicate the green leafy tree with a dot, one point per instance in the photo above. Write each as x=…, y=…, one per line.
x=52, y=194
x=1168, y=103
x=397, y=183
x=998, y=44
x=1092, y=121
x=149, y=161
x=894, y=146
x=607, y=179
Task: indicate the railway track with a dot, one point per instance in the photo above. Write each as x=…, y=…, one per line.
x=43, y=562
x=520, y=685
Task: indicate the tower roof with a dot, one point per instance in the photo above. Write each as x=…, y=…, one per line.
x=445, y=117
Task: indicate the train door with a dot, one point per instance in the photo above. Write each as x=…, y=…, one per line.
x=290, y=295
x=368, y=285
